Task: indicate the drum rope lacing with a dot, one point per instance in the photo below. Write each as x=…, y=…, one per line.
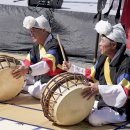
x=8, y=60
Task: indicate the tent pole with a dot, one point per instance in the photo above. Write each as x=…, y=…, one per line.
x=97, y=41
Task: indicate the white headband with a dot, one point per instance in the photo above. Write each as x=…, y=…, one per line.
x=115, y=33
x=39, y=22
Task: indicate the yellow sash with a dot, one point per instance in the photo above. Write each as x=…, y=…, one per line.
x=43, y=54
x=42, y=51
x=107, y=72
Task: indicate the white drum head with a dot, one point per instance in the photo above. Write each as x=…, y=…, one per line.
x=72, y=108
x=9, y=86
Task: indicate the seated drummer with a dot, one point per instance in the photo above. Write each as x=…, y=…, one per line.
x=44, y=60
x=112, y=71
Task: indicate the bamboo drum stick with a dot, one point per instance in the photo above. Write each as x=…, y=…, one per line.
x=62, y=51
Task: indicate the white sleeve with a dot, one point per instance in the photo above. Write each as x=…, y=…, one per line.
x=113, y=95
x=39, y=68
x=76, y=69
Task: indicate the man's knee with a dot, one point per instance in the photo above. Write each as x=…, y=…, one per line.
x=94, y=119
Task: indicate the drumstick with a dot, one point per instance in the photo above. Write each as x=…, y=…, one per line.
x=61, y=48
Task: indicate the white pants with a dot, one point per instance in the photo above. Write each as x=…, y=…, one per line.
x=33, y=88
x=104, y=116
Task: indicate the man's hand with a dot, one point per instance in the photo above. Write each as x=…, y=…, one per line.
x=20, y=71
x=66, y=65
x=90, y=90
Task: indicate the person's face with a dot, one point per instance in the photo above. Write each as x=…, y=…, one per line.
x=106, y=46
x=37, y=35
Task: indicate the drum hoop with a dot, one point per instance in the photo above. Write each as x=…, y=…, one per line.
x=45, y=100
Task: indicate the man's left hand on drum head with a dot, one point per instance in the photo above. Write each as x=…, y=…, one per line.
x=90, y=90
x=20, y=71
